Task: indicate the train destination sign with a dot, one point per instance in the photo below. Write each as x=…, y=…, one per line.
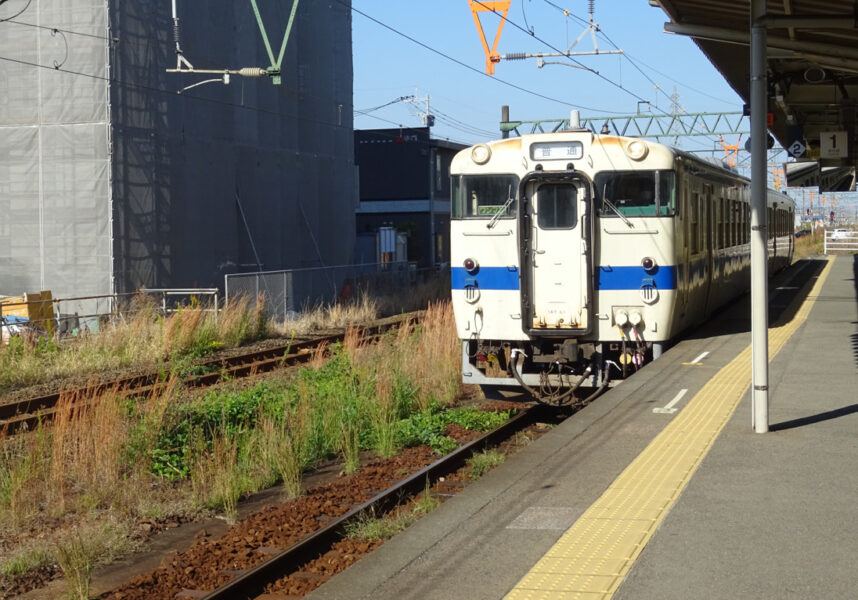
x=556, y=150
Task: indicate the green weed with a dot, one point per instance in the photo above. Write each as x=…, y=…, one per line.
x=484, y=462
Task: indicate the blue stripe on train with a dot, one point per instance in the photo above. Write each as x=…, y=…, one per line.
x=609, y=278
x=487, y=278
x=631, y=278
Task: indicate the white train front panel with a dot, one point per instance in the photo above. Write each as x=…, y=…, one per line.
x=571, y=248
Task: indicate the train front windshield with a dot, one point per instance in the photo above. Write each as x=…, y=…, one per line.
x=636, y=193
x=484, y=196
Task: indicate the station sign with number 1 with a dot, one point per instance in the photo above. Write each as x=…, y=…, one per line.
x=833, y=144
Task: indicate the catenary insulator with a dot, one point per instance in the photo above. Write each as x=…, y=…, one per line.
x=515, y=56
x=251, y=72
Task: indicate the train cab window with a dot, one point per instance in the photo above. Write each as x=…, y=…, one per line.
x=556, y=206
x=636, y=193
x=484, y=196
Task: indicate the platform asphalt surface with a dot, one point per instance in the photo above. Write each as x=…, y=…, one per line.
x=761, y=516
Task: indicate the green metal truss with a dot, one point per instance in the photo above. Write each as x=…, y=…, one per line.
x=648, y=125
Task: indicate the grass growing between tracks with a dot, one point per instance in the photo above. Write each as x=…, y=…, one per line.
x=135, y=463
x=145, y=340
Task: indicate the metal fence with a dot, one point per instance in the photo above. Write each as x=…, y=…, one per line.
x=841, y=240
x=92, y=313
x=291, y=291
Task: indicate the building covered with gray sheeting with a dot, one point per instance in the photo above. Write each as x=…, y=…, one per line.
x=110, y=180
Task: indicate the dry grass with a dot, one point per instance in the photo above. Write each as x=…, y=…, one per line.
x=70, y=494
x=336, y=316
x=88, y=435
x=95, y=459
x=809, y=245
x=439, y=356
x=143, y=340
x=280, y=447
x=216, y=477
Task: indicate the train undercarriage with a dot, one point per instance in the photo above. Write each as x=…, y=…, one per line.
x=554, y=371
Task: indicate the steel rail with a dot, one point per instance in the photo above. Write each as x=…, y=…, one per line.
x=253, y=582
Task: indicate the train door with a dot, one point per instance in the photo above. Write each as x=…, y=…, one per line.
x=555, y=254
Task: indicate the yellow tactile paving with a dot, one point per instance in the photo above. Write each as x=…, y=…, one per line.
x=592, y=558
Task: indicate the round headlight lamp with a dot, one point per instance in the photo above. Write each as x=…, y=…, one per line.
x=637, y=149
x=481, y=154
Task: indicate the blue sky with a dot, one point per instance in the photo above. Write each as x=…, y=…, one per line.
x=445, y=60
x=387, y=65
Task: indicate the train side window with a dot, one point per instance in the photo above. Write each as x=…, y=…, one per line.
x=695, y=221
x=484, y=196
x=735, y=223
x=666, y=193
x=556, y=206
x=720, y=242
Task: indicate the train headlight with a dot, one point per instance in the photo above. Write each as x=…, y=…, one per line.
x=481, y=154
x=471, y=266
x=648, y=263
x=637, y=149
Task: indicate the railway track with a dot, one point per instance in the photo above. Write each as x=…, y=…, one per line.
x=262, y=579
x=27, y=413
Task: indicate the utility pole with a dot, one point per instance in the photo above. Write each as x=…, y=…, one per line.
x=425, y=115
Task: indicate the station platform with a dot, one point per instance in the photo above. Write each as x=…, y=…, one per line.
x=631, y=499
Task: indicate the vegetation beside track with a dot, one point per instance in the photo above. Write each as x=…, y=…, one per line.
x=810, y=244
x=142, y=339
x=145, y=340
x=114, y=468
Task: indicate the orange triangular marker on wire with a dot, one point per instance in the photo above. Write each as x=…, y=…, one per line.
x=501, y=7
x=731, y=151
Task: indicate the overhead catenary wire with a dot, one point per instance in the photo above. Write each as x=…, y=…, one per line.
x=607, y=38
x=198, y=98
x=17, y=14
x=463, y=64
x=173, y=92
x=601, y=32
x=577, y=62
x=11, y=21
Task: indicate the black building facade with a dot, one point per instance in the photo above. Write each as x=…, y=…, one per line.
x=404, y=179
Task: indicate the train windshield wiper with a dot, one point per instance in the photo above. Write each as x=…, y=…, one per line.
x=615, y=209
x=505, y=206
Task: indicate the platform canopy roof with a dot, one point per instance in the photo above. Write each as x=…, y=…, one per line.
x=812, y=48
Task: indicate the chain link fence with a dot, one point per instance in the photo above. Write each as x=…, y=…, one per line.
x=289, y=292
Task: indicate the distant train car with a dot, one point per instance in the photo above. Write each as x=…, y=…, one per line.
x=576, y=257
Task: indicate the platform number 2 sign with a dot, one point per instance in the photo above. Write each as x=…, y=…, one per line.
x=796, y=149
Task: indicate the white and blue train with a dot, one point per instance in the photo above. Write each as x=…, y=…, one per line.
x=576, y=257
